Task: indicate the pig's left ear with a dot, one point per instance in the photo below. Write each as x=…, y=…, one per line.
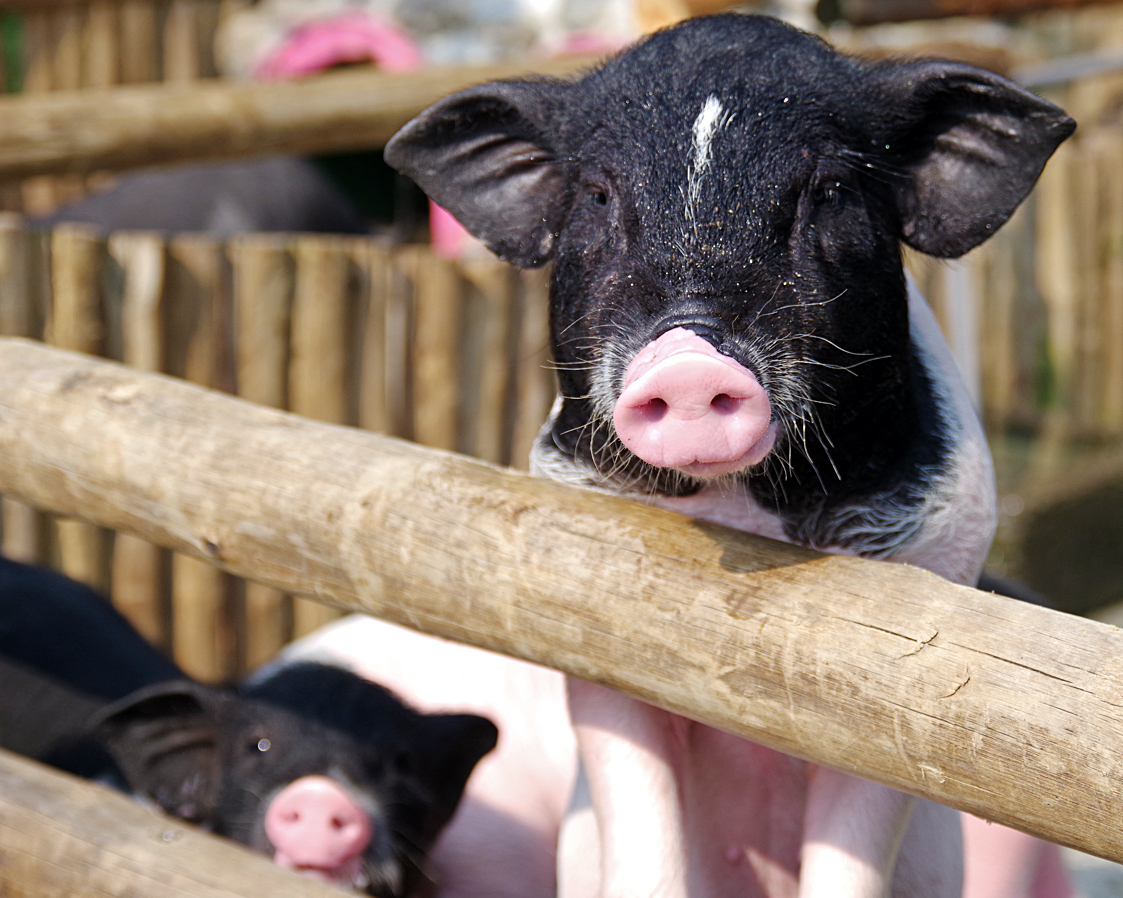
x=453, y=745
x=483, y=154
x=970, y=145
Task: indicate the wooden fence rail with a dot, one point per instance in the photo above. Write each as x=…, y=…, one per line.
x=61, y=837
x=996, y=707
x=123, y=127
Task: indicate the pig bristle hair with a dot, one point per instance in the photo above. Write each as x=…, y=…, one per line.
x=712, y=118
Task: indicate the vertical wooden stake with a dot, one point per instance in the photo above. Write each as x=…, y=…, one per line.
x=322, y=300
x=374, y=259
x=76, y=322
x=536, y=382
x=21, y=526
x=489, y=412
x=437, y=336
x=263, y=296
x=138, y=48
x=139, y=567
x=200, y=613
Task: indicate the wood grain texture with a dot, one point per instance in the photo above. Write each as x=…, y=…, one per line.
x=61, y=837
x=1003, y=709
x=137, y=125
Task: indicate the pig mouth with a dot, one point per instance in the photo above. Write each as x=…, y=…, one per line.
x=348, y=876
x=353, y=875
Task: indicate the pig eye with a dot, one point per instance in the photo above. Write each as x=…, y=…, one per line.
x=597, y=195
x=831, y=193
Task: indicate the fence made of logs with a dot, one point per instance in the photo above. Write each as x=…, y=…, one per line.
x=453, y=354
x=346, y=330
x=885, y=671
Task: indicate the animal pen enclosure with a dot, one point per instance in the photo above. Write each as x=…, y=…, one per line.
x=452, y=354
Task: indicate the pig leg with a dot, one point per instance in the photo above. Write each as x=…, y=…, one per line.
x=579, y=860
x=862, y=839
x=625, y=747
x=852, y=832
x=1005, y=863
x=930, y=861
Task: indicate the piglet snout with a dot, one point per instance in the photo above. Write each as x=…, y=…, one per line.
x=687, y=406
x=317, y=827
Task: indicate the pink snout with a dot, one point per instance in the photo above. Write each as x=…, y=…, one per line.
x=687, y=406
x=316, y=827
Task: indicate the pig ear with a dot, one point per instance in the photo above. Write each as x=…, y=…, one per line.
x=164, y=739
x=455, y=743
x=971, y=147
x=484, y=156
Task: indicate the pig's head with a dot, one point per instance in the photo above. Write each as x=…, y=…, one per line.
x=328, y=773
x=723, y=205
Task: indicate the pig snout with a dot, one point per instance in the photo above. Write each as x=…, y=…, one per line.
x=316, y=827
x=687, y=406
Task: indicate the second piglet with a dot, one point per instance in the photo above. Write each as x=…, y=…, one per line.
x=723, y=205
x=328, y=773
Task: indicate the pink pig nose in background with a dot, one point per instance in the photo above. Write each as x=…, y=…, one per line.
x=317, y=827
x=687, y=406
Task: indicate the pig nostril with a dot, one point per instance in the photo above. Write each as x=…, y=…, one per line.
x=654, y=410
x=724, y=404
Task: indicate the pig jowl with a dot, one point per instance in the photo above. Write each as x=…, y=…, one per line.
x=735, y=337
x=330, y=774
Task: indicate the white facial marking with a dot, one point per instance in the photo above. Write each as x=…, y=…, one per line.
x=711, y=119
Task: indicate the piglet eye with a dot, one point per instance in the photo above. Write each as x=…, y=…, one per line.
x=830, y=193
x=597, y=197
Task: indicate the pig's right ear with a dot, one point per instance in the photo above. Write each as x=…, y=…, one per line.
x=484, y=156
x=164, y=739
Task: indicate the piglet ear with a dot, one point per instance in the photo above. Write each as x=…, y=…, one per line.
x=454, y=744
x=164, y=739
x=971, y=146
x=483, y=154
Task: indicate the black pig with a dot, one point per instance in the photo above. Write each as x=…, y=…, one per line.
x=329, y=773
x=735, y=337
x=278, y=193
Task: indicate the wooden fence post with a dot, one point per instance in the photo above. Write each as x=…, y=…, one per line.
x=322, y=306
x=140, y=568
x=76, y=322
x=263, y=292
